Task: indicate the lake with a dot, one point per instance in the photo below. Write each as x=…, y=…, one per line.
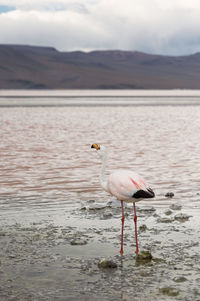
x=49, y=179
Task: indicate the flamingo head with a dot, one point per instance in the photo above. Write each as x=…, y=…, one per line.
x=96, y=146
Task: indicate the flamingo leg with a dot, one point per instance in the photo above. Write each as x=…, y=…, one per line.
x=122, y=231
x=135, y=221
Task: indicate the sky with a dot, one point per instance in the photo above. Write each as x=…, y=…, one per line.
x=168, y=27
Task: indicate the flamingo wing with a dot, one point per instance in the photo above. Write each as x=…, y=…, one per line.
x=126, y=185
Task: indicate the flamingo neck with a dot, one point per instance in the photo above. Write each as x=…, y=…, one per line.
x=103, y=180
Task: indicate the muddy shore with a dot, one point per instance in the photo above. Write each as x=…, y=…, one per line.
x=46, y=260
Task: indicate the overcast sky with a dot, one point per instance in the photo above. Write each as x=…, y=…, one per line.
x=154, y=26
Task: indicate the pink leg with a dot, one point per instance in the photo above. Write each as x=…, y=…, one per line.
x=135, y=221
x=122, y=232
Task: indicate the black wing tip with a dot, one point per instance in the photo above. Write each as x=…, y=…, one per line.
x=151, y=191
x=144, y=194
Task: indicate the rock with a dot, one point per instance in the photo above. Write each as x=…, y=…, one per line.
x=181, y=217
x=143, y=228
x=168, y=212
x=175, y=207
x=11, y=256
x=107, y=264
x=86, y=205
x=169, y=291
x=143, y=257
x=78, y=242
x=180, y=279
x=83, y=206
x=91, y=201
x=165, y=220
x=169, y=195
x=107, y=214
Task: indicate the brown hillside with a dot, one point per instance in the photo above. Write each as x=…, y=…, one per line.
x=29, y=67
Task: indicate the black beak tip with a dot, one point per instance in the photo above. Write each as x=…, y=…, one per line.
x=92, y=146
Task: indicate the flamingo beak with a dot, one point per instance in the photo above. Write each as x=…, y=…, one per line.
x=96, y=146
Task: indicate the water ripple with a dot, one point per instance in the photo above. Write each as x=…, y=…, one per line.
x=46, y=161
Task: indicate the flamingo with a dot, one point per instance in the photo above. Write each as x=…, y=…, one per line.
x=126, y=186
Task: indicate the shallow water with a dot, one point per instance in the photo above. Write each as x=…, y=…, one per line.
x=48, y=173
x=47, y=164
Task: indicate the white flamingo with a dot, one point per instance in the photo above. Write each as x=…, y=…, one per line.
x=126, y=186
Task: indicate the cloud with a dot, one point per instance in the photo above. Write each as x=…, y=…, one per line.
x=166, y=27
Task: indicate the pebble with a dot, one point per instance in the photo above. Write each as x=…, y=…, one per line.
x=175, y=207
x=168, y=212
x=83, y=207
x=91, y=201
x=88, y=205
x=181, y=217
x=107, y=214
x=165, y=220
x=169, y=195
x=143, y=257
x=12, y=256
x=180, y=279
x=169, y=291
x=143, y=228
x=78, y=242
x=107, y=264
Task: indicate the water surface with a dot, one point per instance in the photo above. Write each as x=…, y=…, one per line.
x=46, y=160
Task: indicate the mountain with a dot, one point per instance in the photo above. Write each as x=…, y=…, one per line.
x=32, y=67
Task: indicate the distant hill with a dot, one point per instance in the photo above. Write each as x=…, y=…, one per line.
x=29, y=67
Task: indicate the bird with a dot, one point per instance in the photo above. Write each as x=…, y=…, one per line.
x=126, y=186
